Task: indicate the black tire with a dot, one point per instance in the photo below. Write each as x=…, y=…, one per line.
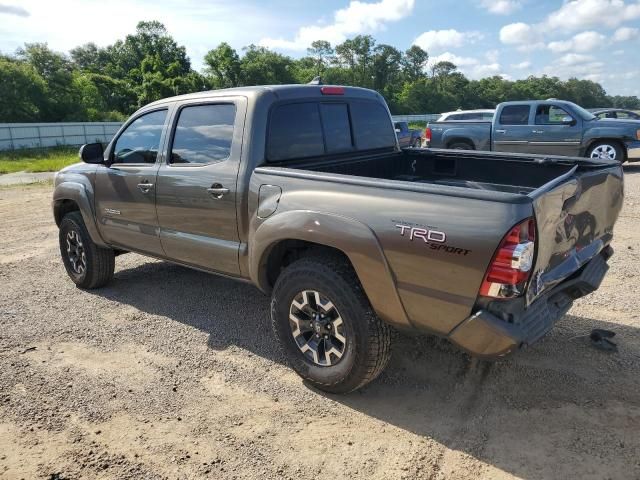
x=461, y=146
x=606, y=146
x=367, y=347
x=99, y=263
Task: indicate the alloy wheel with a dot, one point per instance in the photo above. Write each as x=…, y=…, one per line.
x=76, y=253
x=604, y=152
x=317, y=328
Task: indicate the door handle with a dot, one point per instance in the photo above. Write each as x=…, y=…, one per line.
x=501, y=131
x=217, y=191
x=145, y=186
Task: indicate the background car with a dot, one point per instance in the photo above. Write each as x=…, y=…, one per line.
x=615, y=113
x=477, y=115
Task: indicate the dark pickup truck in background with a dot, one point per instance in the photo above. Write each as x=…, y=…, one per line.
x=407, y=137
x=549, y=127
x=303, y=191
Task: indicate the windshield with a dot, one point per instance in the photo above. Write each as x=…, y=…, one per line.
x=584, y=114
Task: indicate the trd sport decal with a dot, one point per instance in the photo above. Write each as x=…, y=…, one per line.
x=435, y=239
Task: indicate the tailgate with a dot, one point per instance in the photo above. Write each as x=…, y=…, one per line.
x=575, y=215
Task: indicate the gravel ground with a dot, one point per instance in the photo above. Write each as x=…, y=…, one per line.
x=172, y=373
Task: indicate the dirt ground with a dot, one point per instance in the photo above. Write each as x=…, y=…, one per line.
x=172, y=373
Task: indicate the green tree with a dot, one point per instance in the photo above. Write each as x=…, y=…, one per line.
x=414, y=63
x=261, y=66
x=322, y=54
x=223, y=65
x=62, y=100
x=22, y=92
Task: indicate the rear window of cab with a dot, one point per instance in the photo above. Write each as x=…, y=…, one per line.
x=311, y=129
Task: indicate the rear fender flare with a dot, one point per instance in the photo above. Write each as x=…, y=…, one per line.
x=355, y=239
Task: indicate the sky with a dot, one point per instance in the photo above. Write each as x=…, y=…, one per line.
x=589, y=39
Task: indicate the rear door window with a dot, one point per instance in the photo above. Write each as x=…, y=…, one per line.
x=515, y=115
x=203, y=134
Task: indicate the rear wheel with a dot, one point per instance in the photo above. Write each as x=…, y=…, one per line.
x=606, y=151
x=461, y=146
x=87, y=264
x=325, y=325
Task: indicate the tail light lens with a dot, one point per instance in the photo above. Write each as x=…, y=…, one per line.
x=511, y=265
x=427, y=134
x=332, y=90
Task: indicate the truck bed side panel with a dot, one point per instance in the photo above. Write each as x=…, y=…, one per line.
x=444, y=134
x=436, y=275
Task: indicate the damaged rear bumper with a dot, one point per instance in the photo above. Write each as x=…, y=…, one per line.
x=498, y=333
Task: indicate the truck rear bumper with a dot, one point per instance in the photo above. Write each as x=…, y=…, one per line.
x=486, y=335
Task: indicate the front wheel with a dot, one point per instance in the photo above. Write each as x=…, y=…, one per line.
x=606, y=151
x=87, y=264
x=325, y=325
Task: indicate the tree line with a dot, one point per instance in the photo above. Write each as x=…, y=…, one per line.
x=101, y=84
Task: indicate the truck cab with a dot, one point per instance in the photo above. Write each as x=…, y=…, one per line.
x=546, y=127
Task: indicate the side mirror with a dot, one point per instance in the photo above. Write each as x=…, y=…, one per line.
x=569, y=120
x=92, y=153
x=398, y=130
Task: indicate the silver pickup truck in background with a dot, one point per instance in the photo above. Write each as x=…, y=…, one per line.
x=303, y=191
x=548, y=127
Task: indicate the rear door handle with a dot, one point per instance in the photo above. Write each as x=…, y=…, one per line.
x=145, y=186
x=217, y=191
x=501, y=131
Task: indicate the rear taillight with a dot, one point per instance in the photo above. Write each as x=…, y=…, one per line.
x=511, y=266
x=427, y=134
x=332, y=90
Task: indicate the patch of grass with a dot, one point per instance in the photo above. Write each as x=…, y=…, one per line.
x=418, y=125
x=37, y=159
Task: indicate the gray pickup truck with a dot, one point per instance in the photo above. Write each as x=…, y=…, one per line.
x=407, y=137
x=303, y=191
x=550, y=127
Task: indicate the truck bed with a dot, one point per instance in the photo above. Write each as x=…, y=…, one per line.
x=473, y=170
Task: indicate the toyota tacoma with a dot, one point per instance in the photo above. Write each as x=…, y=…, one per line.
x=303, y=191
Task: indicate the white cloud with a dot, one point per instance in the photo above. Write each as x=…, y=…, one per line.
x=472, y=67
x=624, y=34
x=501, y=7
x=576, y=65
x=571, y=59
x=582, y=42
x=358, y=17
x=453, y=58
x=492, y=55
x=578, y=14
x=13, y=10
x=518, y=34
x=522, y=65
x=439, y=40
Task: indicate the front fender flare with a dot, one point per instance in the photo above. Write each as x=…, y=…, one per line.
x=355, y=239
x=77, y=192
